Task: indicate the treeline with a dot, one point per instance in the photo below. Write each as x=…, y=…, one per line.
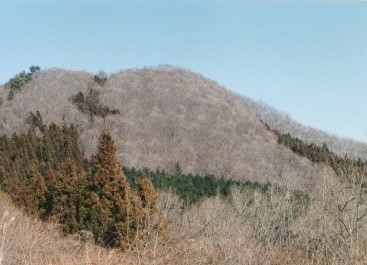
x=16, y=83
x=45, y=172
x=343, y=166
x=194, y=188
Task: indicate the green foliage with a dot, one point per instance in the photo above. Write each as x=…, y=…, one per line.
x=18, y=81
x=47, y=174
x=31, y=166
x=33, y=69
x=193, y=188
x=311, y=151
x=90, y=104
x=343, y=166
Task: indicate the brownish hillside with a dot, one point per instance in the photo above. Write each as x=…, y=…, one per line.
x=163, y=116
x=285, y=124
x=167, y=115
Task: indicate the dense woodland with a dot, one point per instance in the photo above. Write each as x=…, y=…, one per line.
x=46, y=174
x=344, y=167
x=167, y=116
x=254, y=194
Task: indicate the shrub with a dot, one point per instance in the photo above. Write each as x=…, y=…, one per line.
x=33, y=69
x=35, y=120
x=100, y=78
x=18, y=81
x=89, y=104
x=11, y=95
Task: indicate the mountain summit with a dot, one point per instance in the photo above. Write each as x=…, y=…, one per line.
x=166, y=116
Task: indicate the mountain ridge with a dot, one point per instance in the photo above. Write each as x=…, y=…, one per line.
x=169, y=115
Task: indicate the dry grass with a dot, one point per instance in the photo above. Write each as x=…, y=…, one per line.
x=24, y=240
x=211, y=232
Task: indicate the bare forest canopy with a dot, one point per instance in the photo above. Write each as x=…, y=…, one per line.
x=162, y=163
x=164, y=115
x=47, y=175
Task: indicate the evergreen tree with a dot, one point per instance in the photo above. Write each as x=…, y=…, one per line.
x=147, y=194
x=117, y=209
x=35, y=193
x=67, y=197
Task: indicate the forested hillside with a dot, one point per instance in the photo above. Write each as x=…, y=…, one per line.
x=285, y=124
x=164, y=166
x=162, y=116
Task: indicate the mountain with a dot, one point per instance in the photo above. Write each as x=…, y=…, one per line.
x=168, y=116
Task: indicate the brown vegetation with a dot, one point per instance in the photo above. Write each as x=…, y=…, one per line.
x=285, y=124
x=168, y=115
x=48, y=177
x=90, y=105
x=212, y=232
x=171, y=115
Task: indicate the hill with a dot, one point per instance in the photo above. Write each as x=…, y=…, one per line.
x=169, y=115
x=285, y=124
x=181, y=122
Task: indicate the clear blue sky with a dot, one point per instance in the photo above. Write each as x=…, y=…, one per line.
x=305, y=58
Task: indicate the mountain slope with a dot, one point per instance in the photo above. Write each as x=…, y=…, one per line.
x=285, y=124
x=167, y=115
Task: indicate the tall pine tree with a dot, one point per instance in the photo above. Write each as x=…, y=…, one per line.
x=116, y=208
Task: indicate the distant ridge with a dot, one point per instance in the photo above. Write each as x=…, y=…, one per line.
x=285, y=124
